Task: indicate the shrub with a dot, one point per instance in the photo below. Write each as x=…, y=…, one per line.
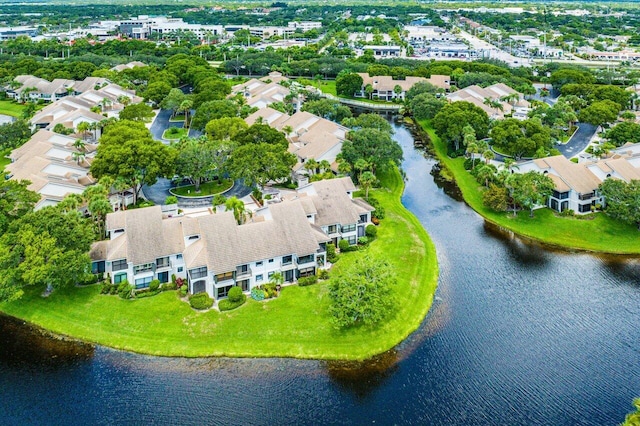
x=228, y=304
x=331, y=253
x=168, y=286
x=379, y=212
x=363, y=241
x=171, y=199
x=568, y=213
x=200, y=301
x=375, y=220
x=323, y=274
x=184, y=290
x=125, y=290
x=305, y=281
x=146, y=293
x=343, y=245
x=371, y=231
x=154, y=285
x=180, y=282
x=269, y=290
x=235, y=294
x=114, y=289
x=106, y=288
x=257, y=294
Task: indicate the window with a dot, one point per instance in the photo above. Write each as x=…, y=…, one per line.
x=198, y=273
x=143, y=282
x=287, y=260
x=193, y=237
x=143, y=268
x=179, y=256
x=224, y=277
x=163, y=277
x=332, y=229
x=270, y=274
x=244, y=285
x=352, y=240
x=223, y=291
x=97, y=267
x=306, y=272
x=583, y=208
x=349, y=228
x=118, y=278
x=259, y=263
x=306, y=259
x=118, y=265
x=259, y=277
x=180, y=268
x=162, y=262
x=270, y=260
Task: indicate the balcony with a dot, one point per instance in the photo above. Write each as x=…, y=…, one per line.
x=586, y=196
x=306, y=259
x=243, y=272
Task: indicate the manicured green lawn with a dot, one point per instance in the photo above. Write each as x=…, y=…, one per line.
x=175, y=133
x=599, y=233
x=207, y=188
x=294, y=325
x=328, y=86
x=177, y=118
x=11, y=108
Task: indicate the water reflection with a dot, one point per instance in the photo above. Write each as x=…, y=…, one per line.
x=23, y=345
x=362, y=378
x=526, y=253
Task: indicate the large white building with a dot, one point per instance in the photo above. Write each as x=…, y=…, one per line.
x=214, y=253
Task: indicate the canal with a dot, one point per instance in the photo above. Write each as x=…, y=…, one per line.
x=519, y=334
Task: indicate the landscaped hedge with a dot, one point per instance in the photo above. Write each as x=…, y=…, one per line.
x=305, y=281
x=233, y=301
x=200, y=301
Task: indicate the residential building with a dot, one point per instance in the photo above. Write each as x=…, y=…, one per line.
x=576, y=184
x=10, y=33
x=214, y=253
x=304, y=26
x=129, y=65
x=53, y=165
x=263, y=92
x=310, y=137
x=499, y=93
x=384, y=86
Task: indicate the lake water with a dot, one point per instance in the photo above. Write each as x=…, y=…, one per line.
x=518, y=335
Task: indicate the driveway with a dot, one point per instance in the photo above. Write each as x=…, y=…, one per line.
x=162, y=123
x=159, y=191
x=579, y=141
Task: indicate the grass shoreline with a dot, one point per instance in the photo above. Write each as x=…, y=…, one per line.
x=296, y=325
x=599, y=234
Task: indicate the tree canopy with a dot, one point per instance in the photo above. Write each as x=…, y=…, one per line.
x=128, y=151
x=362, y=294
x=373, y=146
x=348, y=84
x=519, y=138
x=211, y=110
x=622, y=200
x=624, y=132
x=137, y=112
x=452, y=118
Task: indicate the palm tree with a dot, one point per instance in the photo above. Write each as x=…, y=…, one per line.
x=185, y=107
x=324, y=165
x=78, y=157
x=124, y=100
x=497, y=105
x=79, y=144
x=106, y=102
x=368, y=90
x=509, y=164
x=361, y=165
x=488, y=155
x=472, y=148
x=511, y=97
x=239, y=209
x=367, y=179
x=83, y=127
x=287, y=130
x=311, y=165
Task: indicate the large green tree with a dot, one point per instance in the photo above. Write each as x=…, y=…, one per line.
x=374, y=146
x=47, y=247
x=519, y=138
x=362, y=294
x=15, y=201
x=137, y=112
x=128, y=151
x=348, y=84
x=199, y=159
x=600, y=112
x=622, y=200
x=259, y=163
x=211, y=110
x=225, y=128
x=624, y=132
x=529, y=190
x=13, y=135
x=368, y=121
x=327, y=108
x=452, y=119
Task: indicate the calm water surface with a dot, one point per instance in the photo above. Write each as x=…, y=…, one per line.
x=518, y=335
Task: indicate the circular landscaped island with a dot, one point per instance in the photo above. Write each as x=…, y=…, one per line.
x=207, y=189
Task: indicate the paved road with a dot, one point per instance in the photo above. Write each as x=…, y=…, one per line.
x=162, y=123
x=579, y=141
x=493, y=51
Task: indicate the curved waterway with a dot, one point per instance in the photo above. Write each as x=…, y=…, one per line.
x=518, y=335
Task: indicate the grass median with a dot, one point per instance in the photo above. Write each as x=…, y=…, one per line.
x=597, y=233
x=297, y=324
